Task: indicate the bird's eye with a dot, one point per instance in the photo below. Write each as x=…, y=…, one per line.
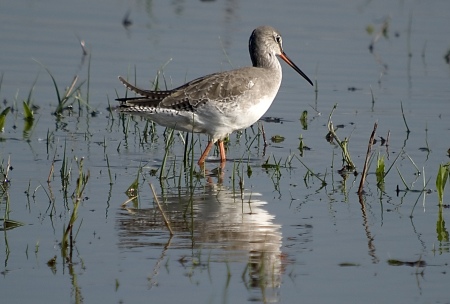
x=278, y=39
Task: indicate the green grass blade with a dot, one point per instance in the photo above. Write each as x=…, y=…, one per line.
x=53, y=79
x=10, y=224
x=28, y=101
x=401, y=177
x=3, y=118
x=441, y=180
x=380, y=169
x=27, y=112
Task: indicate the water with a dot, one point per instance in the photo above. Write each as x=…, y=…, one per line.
x=285, y=237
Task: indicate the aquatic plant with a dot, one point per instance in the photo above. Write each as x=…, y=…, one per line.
x=343, y=144
x=3, y=115
x=77, y=196
x=63, y=100
x=441, y=180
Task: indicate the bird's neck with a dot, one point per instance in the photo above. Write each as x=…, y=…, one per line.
x=266, y=60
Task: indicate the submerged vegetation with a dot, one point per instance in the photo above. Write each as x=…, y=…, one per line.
x=180, y=172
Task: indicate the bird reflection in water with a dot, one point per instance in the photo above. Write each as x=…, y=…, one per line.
x=233, y=227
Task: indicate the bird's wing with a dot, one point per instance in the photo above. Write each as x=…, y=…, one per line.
x=220, y=87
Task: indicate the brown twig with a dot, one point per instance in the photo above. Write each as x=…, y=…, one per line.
x=264, y=138
x=264, y=135
x=366, y=163
x=124, y=204
x=387, y=143
x=50, y=174
x=162, y=211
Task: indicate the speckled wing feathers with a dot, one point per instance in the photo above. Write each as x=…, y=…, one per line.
x=221, y=88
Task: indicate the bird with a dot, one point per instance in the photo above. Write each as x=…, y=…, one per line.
x=220, y=103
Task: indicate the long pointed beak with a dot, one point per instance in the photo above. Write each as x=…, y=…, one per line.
x=296, y=68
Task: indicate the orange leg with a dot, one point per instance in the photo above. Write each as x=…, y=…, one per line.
x=205, y=153
x=223, y=157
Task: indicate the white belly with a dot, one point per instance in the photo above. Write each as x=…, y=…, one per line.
x=238, y=117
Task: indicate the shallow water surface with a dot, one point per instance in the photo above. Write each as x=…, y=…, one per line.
x=277, y=224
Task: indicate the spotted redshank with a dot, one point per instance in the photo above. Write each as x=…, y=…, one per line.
x=219, y=103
